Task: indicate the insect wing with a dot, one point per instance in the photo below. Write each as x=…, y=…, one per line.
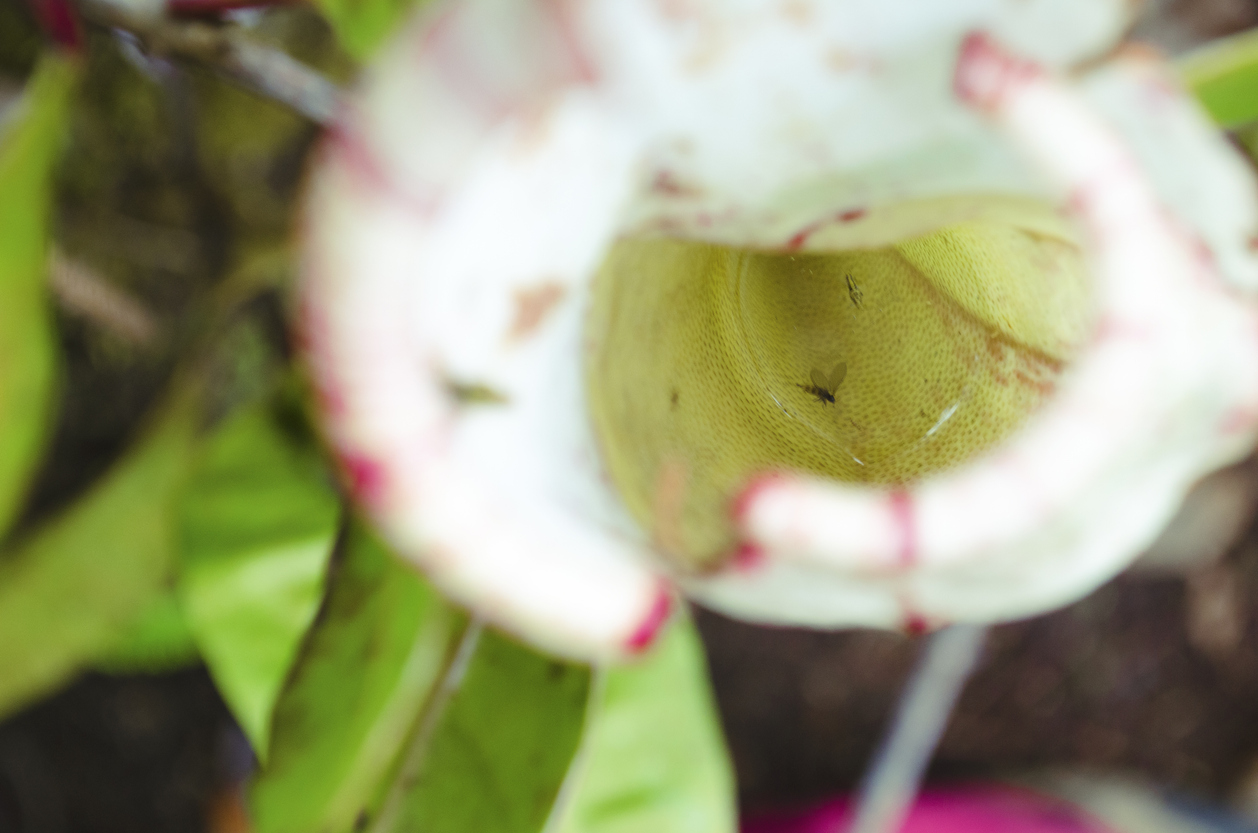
x=819, y=380
x=837, y=375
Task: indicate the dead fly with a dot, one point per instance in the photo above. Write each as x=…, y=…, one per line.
x=854, y=292
x=823, y=387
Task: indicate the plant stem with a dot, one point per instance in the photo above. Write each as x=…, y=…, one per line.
x=893, y=778
x=259, y=68
x=417, y=750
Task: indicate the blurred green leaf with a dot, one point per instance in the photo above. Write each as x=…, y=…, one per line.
x=1224, y=75
x=257, y=523
x=500, y=750
x=654, y=757
x=381, y=641
x=28, y=151
x=159, y=639
x=71, y=588
x=362, y=25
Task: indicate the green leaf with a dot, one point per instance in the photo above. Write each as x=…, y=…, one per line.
x=74, y=586
x=501, y=749
x=381, y=641
x=1224, y=75
x=654, y=757
x=158, y=640
x=362, y=25
x=257, y=524
x=28, y=151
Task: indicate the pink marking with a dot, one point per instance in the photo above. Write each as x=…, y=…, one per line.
x=437, y=30
x=1163, y=92
x=352, y=151
x=743, y=503
x=1110, y=327
x=309, y=339
x=366, y=477
x=915, y=624
x=901, y=504
x=1083, y=197
x=665, y=182
x=1202, y=251
x=983, y=808
x=748, y=558
x=986, y=75
x=561, y=13
x=801, y=237
x=797, y=242
x=330, y=400
x=1238, y=419
x=59, y=21
x=654, y=622
x=442, y=50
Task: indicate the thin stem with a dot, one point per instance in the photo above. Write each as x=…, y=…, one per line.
x=417, y=750
x=922, y=714
x=211, y=8
x=259, y=68
x=82, y=291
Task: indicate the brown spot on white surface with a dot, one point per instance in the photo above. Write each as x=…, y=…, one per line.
x=667, y=182
x=532, y=306
x=797, y=11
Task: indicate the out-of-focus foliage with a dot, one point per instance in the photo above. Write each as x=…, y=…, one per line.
x=19, y=38
x=654, y=757
x=1224, y=76
x=158, y=639
x=252, y=151
x=380, y=643
x=502, y=748
x=28, y=151
x=362, y=25
x=72, y=587
x=214, y=543
x=258, y=521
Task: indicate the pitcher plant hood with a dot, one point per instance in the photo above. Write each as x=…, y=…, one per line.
x=829, y=314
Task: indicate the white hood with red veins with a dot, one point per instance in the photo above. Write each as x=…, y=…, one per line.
x=471, y=189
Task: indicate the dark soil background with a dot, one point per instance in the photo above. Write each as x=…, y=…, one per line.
x=1124, y=680
x=1156, y=676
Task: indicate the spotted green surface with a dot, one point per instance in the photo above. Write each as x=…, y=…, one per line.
x=654, y=756
x=703, y=360
x=29, y=147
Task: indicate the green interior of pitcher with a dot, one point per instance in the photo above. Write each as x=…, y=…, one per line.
x=871, y=364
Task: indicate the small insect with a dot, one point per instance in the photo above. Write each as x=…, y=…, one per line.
x=824, y=386
x=473, y=393
x=854, y=292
